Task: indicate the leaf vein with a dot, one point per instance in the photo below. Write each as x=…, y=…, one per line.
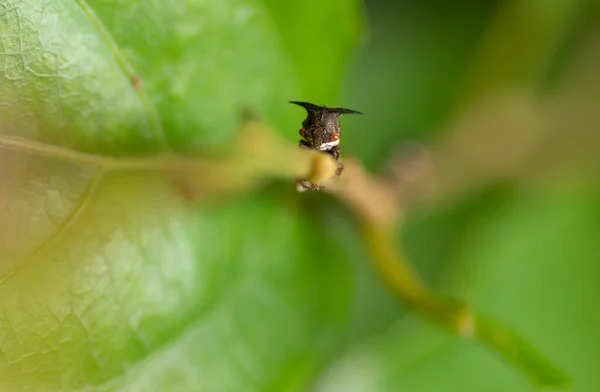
x=75, y=214
x=83, y=158
x=130, y=73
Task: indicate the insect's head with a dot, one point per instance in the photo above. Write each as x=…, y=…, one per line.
x=321, y=128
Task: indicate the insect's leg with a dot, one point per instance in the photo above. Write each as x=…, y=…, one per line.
x=339, y=169
x=302, y=185
x=304, y=144
x=335, y=152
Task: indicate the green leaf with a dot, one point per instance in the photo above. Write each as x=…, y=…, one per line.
x=111, y=279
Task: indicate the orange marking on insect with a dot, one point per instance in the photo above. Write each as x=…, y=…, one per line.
x=302, y=132
x=335, y=137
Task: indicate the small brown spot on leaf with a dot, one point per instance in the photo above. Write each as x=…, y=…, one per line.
x=136, y=82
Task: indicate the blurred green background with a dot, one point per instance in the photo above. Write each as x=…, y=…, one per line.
x=524, y=251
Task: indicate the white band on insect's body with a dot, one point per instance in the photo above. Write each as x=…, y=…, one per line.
x=328, y=146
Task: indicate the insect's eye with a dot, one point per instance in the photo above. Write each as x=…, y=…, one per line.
x=302, y=132
x=335, y=137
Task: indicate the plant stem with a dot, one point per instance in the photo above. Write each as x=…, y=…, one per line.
x=453, y=315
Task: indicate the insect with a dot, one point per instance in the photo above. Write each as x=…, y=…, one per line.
x=321, y=131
